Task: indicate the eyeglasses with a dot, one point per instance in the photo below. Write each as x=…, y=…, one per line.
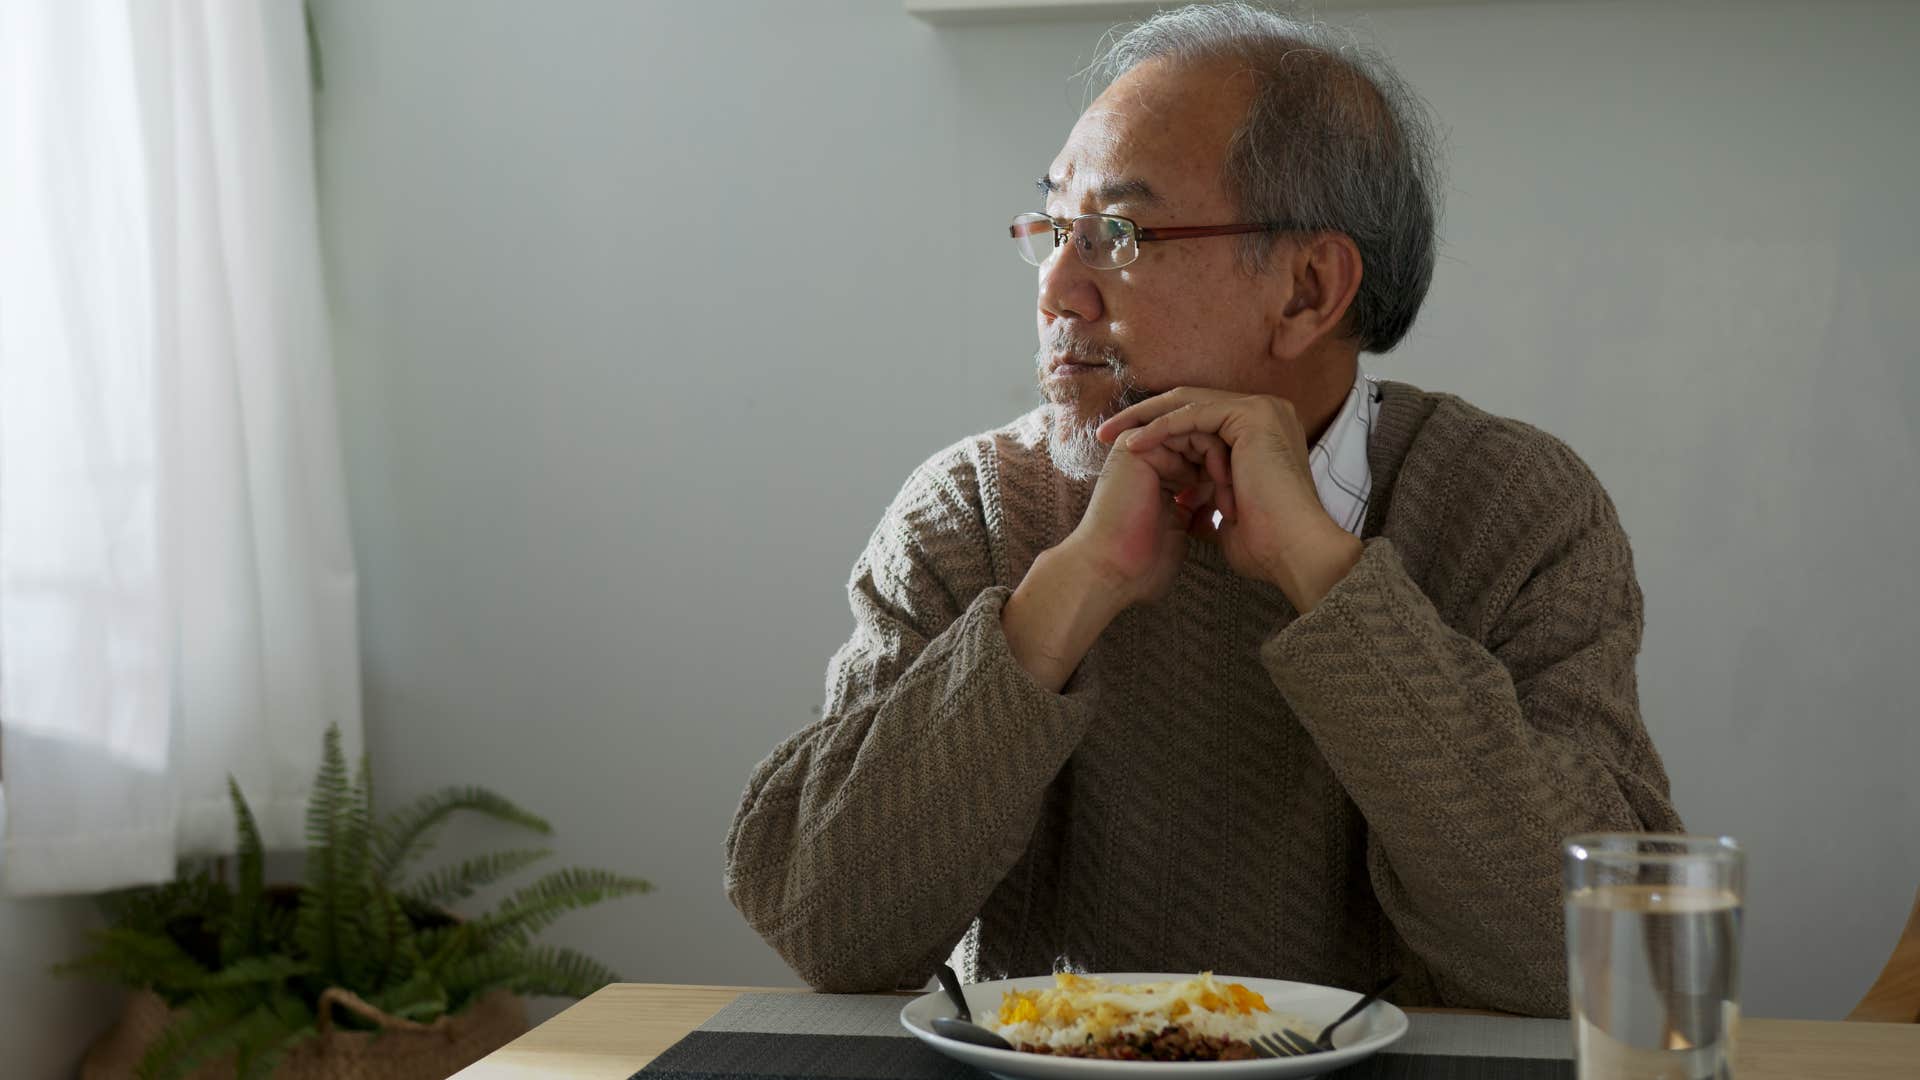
x=1106, y=242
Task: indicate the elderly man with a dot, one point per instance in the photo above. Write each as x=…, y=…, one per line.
x=1227, y=657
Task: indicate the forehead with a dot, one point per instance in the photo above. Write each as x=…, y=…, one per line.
x=1165, y=124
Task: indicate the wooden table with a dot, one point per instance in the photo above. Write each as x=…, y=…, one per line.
x=622, y=1027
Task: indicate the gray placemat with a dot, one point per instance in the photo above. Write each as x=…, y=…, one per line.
x=878, y=1016
x=753, y=1055
x=813, y=1014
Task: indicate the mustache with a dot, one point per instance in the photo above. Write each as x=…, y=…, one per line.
x=1063, y=341
x=1057, y=342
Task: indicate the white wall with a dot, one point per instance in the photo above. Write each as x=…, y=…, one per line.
x=635, y=343
x=47, y=1022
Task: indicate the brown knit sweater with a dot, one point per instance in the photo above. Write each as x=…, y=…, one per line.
x=1381, y=785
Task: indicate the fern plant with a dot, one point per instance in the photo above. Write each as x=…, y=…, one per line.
x=245, y=964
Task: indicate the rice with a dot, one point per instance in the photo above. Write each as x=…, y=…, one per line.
x=1192, y=1019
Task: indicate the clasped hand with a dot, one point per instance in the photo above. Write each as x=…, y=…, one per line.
x=1180, y=457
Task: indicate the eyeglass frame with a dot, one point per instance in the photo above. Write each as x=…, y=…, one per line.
x=1141, y=234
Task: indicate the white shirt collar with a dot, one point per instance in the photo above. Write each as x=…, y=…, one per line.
x=1338, y=461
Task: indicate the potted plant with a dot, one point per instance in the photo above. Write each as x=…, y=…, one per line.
x=359, y=971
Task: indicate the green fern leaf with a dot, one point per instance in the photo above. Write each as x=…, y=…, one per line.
x=255, y=970
x=408, y=833
x=360, y=934
x=420, y=998
x=386, y=926
x=463, y=879
x=168, y=1056
x=124, y=907
x=256, y=1030
x=296, y=1025
x=259, y=1064
x=450, y=949
x=147, y=907
x=472, y=976
x=331, y=928
x=323, y=909
x=138, y=959
x=194, y=894
x=357, y=824
x=428, y=943
x=278, y=928
x=258, y=1042
x=244, y=923
x=561, y=972
x=292, y=1009
x=532, y=908
x=407, y=956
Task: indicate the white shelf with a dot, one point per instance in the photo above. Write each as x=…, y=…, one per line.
x=963, y=12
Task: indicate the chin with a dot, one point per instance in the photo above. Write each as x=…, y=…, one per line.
x=1076, y=451
x=1086, y=400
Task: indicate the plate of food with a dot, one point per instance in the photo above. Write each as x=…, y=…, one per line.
x=1138, y=1025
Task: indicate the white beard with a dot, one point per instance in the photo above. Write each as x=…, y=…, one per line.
x=1071, y=442
x=1072, y=445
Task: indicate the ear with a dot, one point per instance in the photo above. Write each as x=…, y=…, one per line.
x=1322, y=275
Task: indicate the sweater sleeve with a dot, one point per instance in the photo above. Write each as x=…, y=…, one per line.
x=866, y=844
x=1472, y=760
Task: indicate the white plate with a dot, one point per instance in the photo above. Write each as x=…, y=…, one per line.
x=1359, y=1037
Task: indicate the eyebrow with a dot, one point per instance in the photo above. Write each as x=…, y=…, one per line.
x=1129, y=190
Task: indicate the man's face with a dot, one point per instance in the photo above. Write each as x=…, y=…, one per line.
x=1184, y=313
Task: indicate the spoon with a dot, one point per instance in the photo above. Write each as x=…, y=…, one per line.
x=950, y=982
x=963, y=1029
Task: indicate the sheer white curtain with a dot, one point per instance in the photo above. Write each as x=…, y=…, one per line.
x=177, y=592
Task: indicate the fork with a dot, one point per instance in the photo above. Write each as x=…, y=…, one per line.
x=1290, y=1043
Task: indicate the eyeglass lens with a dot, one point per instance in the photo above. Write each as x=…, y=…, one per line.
x=1102, y=242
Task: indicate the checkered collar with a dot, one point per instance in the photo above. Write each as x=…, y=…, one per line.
x=1339, y=460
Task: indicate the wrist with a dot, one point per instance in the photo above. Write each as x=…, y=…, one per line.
x=1057, y=612
x=1308, y=571
x=1102, y=590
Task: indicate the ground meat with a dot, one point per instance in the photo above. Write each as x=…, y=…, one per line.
x=1171, y=1044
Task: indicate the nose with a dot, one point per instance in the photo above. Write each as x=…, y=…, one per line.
x=1068, y=288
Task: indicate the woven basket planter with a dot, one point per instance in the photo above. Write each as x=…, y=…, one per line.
x=399, y=1050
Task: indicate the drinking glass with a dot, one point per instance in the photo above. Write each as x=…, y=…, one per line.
x=1653, y=954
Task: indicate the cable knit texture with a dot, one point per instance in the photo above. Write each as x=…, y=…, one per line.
x=1381, y=785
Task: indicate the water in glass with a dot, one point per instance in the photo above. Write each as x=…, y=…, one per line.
x=1654, y=980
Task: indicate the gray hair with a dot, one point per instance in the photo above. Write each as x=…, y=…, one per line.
x=1334, y=140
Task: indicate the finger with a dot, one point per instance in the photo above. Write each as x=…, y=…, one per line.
x=1198, y=496
x=1196, y=445
x=1139, y=414
x=1153, y=408
x=1182, y=519
x=1203, y=526
x=1210, y=418
x=1221, y=471
x=1175, y=471
x=1204, y=451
